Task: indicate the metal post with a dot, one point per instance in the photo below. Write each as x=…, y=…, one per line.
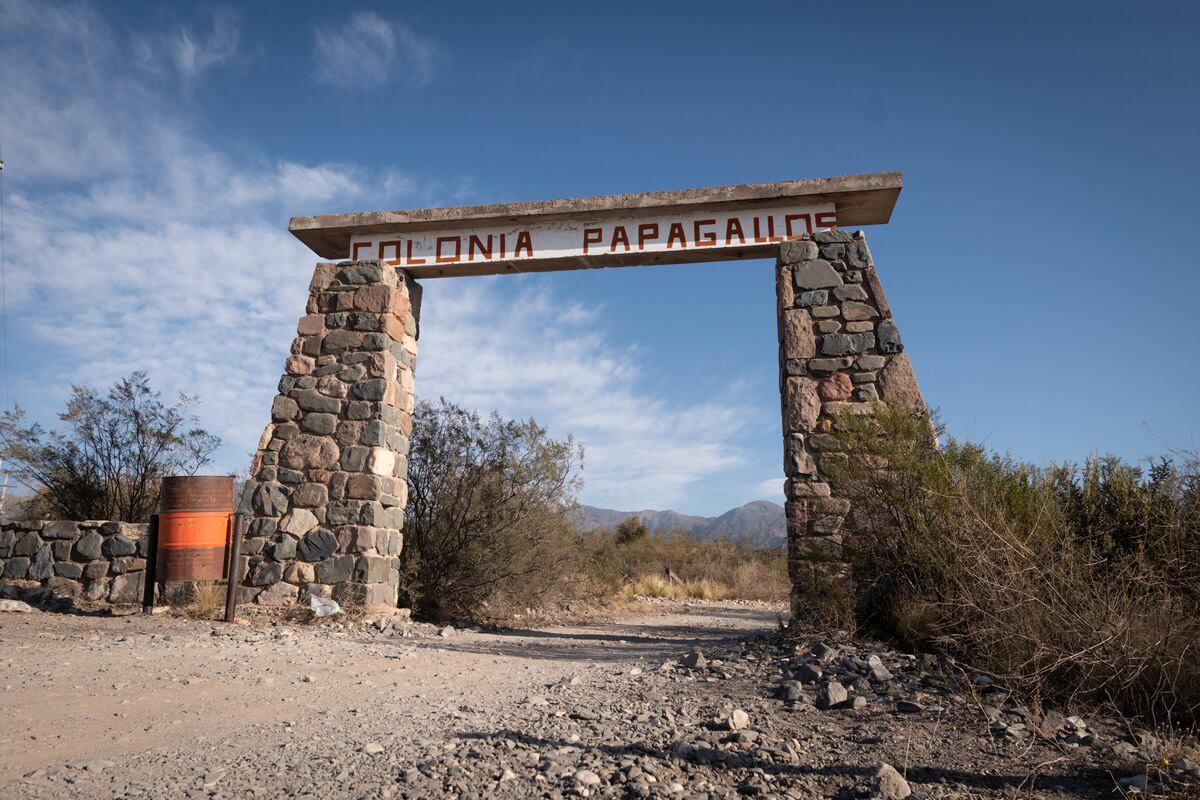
x=235, y=566
x=151, y=568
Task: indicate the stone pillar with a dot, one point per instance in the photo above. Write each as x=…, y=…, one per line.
x=328, y=485
x=839, y=352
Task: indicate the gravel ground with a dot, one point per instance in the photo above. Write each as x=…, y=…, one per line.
x=643, y=706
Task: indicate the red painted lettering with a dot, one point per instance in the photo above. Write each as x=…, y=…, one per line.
x=619, y=237
x=706, y=239
x=827, y=219
x=391, y=243
x=526, y=241
x=676, y=232
x=441, y=259
x=771, y=237
x=645, y=232
x=787, y=224
x=758, y=238
x=588, y=239
x=734, y=228
x=358, y=246
x=476, y=242
x=409, y=260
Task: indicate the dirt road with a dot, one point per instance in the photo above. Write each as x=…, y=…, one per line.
x=133, y=706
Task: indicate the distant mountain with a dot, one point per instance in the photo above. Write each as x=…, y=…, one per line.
x=760, y=522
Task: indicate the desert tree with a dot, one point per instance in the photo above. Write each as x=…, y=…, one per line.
x=111, y=454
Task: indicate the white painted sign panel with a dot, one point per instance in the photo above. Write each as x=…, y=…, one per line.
x=632, y=237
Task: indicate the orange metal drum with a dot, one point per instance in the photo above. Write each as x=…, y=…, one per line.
x=195, y=517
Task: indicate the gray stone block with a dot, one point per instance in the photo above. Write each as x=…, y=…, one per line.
x=376, y=341
x=354, y=459
x=43, y=564
x=841, y=344
x=68, y=570
x=317, y=546
x=372, y=569
x=284, y=409
x=337, y=569
x=60, y=529
x=818, y=297
x=269, y=501
x=16, y=567
x=312, y=400
x=125, y=564
x=265, y=573
x=370, y=390
x=834, y=252
x=374, y=434
x=8, y=540
x=320, y=424
x=310, y=495
x=262, y=526
x=96, y=569
x=850, y=292
x=360, y=272
x=796, y=251
x=889, y=337
x=127, y=588
x=830, y=237
x=115, y=546
x=28, y=544
x=858, y=255
x=61, y=550
x=870, y=362
x=284, y=549
x=818, y=274
x=819, y=366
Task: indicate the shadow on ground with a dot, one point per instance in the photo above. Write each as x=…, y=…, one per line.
x=650, y=642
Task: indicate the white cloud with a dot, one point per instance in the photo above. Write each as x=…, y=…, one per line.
x=192, y=56
x=769, y=489
x=526, y=353
x=156, y=251
x=188, y=52
x=368, y=51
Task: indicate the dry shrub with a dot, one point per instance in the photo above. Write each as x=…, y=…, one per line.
x=709, y=570
x=1068, y=582
x=487, y=530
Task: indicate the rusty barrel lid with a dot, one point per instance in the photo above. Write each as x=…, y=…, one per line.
x=196, y=493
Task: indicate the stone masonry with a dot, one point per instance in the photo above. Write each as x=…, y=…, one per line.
x=97, y=560
x=328, y=484
x=840, y=352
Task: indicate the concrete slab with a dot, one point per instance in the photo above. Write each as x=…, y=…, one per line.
x=865, y=199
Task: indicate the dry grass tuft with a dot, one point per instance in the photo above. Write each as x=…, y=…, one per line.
x=659, y=586
x=204, y=600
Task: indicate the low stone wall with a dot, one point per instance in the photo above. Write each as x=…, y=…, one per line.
x=96, y=560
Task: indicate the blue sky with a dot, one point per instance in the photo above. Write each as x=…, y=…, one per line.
x=1040, y=261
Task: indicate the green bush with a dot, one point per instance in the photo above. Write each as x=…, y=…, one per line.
x=1070, y=581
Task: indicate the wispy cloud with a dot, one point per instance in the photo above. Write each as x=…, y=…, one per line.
x=156, y=250
x=369, y=51
x=191, y=53
x=534, y=354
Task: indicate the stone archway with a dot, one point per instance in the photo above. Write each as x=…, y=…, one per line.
x=328, y=483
